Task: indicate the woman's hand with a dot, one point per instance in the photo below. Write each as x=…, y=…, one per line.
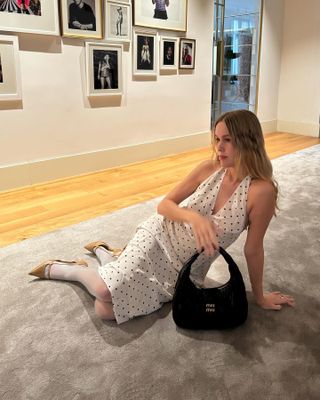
x=76, y=24
x=205, y=234
x=275, y=301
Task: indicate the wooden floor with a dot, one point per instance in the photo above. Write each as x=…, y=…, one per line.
x=38, y=209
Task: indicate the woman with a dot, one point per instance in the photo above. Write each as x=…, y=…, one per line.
x=105, y=72
x=119, y=21
x=233, y=192
x=145, y=52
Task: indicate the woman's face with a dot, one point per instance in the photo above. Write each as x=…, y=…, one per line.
x=224, y=146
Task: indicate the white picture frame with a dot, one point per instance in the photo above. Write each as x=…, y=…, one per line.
x=104, y=75
x=117, y=21
x=174, y=17
x=169, y=53
x=10, y=78
x=145, y=53
x=91, y=24
x=44, y=22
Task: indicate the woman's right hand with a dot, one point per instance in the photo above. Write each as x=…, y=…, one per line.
x=205, y=234
x=76, y=24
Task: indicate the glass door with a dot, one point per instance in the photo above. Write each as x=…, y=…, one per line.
x=235, y=55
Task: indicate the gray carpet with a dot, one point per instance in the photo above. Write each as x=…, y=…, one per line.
x=52, y=345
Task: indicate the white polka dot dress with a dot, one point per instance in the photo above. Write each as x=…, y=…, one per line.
x=145, y=274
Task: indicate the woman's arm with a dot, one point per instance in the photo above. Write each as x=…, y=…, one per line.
x=169, y=207
x=86, y=26
x=261, y=207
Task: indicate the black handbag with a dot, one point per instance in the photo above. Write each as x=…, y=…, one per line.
x=221, y=307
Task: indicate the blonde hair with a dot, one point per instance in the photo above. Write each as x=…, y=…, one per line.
x=247, y=137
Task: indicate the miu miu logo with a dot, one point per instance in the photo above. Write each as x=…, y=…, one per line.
x=210, y=307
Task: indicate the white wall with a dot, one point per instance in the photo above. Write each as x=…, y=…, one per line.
x=57, y=132
x=299, y=92
x=270, y=64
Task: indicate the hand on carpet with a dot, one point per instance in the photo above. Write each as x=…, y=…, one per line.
x=275, y=301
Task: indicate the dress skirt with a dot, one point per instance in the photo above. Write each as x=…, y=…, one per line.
x=141, y=279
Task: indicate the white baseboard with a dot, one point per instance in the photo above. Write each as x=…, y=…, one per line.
x=269, y=126
x=300, y=128
x=17, y=176
x=20, y=175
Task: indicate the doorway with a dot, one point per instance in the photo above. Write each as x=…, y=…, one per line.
x=235, y=55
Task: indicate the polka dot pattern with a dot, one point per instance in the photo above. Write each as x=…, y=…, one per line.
x=145, y=274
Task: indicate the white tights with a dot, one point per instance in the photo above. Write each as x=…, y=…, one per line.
x=91, y=279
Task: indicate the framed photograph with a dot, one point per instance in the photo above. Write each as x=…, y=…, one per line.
x=104, y=69
x=117, y=21
x=81, y=18
x=169, y=53
x=30, y=16
x=10, y=80
x=161, y=14
x=145, y=53
x=187, y=53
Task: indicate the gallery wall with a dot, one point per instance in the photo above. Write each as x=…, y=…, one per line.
x=58, y=132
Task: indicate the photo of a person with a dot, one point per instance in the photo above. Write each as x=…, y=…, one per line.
x=162, y=14
x=145, y=56
x=145, y=59
x=81, y=16
x=160, y=10
x=28, y=7
x=105, y=69
x=1, y=75
x=105, y=72
x=168, y=53
x=186, y=55
x=119, y=21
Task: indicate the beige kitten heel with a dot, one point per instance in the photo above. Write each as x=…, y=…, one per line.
x=94, y=245
x=43, y=270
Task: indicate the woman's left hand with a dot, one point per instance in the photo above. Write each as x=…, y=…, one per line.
x=275, y=301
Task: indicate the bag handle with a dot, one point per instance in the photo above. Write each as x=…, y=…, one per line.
x=221, y=250
x=233, y=268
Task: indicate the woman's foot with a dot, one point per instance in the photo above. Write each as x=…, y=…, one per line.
x=92, y=247
x=43, y=270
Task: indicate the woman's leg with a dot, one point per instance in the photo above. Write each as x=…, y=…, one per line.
x=92, y=281
x=103, y=255
x=104, y=310
x=102, y=83
x=88, y=277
